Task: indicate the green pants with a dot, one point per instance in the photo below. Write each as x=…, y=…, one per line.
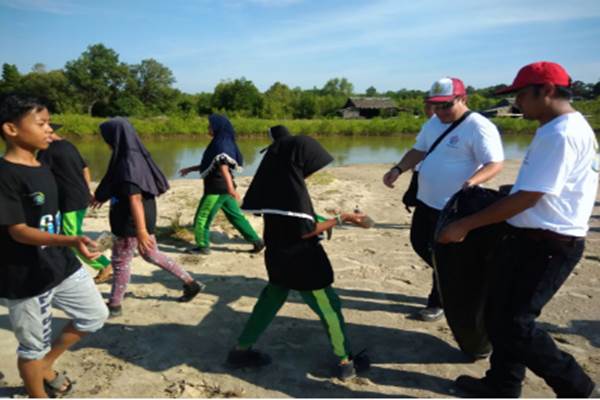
x=209, y=205
x=72, y=222
x=324, y=302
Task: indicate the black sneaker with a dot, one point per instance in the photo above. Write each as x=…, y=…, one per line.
x=483, y=388
x=199, y=250
x=190, y=290
x=345, y=371
x=114, y=311
x=248, y=358
x=257, y=246
x=358, y=364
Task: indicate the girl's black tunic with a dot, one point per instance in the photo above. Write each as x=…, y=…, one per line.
x=293, y=262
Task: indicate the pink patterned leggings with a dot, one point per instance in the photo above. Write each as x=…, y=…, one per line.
x=122, y=254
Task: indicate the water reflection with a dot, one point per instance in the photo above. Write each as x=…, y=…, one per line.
x=173, y=154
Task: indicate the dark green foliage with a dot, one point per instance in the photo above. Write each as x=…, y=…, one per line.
x=239, y=96
x=99, y=84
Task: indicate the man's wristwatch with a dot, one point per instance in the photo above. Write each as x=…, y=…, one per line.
x=396, y=167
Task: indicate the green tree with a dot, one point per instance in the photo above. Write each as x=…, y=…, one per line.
x=40, y=68
x=338, y=87
x=278, y=102
x=305, y=106
x=371, y=91
x=53, y=88
x=153, y=85
x=239, y=96
x=11, y=78
x=97, y=74
x=203, y=104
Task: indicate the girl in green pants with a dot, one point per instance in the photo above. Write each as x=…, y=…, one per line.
x=219, y=159
x=294, y=258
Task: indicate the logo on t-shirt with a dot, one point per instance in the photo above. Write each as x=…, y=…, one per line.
x=453, y=141
x=38, y=198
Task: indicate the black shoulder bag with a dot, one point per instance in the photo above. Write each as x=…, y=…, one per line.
x=410, y=196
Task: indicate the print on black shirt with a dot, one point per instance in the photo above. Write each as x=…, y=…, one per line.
x=28, y=195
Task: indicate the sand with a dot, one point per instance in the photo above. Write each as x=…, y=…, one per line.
x=160, y=348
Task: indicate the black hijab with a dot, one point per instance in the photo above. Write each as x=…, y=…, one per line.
x=129, y=162
x=275, y=133
x=278, y=186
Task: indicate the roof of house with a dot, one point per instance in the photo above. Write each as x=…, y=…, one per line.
x=370, y=102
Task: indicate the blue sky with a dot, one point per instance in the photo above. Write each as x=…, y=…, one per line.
x=389, y=44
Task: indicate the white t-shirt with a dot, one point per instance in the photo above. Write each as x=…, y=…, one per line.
x=562, y=163
x=463, y=151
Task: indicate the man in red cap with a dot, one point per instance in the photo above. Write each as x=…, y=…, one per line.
x=457, y=149
x=546, y=218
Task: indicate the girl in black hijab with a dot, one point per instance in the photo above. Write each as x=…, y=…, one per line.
x=132, y=182
x=294, y=257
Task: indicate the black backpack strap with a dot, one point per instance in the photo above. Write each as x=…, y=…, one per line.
x=446, y=132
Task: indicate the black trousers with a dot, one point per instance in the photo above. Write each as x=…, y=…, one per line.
x=422, y=229
x=526, y=275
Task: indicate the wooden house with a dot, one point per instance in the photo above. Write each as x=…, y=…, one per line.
x=368, y=107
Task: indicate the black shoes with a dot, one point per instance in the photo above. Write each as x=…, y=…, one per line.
x=483, y=388
x=248, y=358
x=190, y=290
x=114, y=311
x=357, y=365
x=198, y=250
x=257, y=246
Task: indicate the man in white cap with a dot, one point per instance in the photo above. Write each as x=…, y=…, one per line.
x=547, y=217
x=468, y=154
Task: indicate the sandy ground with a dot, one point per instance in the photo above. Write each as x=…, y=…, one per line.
x=160, y=348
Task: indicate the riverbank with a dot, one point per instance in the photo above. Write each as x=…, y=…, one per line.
x=160, y=348
x=86, y=127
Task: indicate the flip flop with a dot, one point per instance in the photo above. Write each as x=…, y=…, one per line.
x=107, y=278
x=59, y=386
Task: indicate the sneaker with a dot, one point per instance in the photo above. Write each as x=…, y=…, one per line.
x=248, y=358
x=199, y=250
x=483, y=388
x=257, y=246
x=114, y=311
x=431, y=313
x=190, y=290
x=357, y=365
x=345, y=371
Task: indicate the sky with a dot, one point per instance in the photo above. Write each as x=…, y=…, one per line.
x=388, y=44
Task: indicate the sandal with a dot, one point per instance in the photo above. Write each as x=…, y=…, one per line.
x=103, y=276
x=59, y=386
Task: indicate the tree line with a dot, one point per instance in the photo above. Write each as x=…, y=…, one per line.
x=97, y=83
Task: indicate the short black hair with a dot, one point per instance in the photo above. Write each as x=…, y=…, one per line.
x=14, y=107
x=561, y=92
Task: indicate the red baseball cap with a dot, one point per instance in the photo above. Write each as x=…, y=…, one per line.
x=539, y=73
x=445, y=89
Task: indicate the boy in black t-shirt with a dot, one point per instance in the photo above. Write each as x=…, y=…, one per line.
x=38, y=270
x=73, y=179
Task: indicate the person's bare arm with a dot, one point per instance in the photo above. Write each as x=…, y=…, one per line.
x=88, y=180
x=24, y=234
x=497, y=212
x=320, y=227
x=145, y=241
x=229, y=182
x=187, y=170
x=484, y=174
x=410, y=159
